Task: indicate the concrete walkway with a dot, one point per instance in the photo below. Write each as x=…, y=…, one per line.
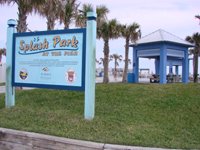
x=119, y=79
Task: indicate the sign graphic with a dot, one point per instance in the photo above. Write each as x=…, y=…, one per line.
x=50, y=59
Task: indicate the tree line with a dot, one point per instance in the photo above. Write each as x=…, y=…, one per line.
x=71, y=12
x=195, y=51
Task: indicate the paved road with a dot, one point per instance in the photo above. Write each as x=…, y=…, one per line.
x=119, y=79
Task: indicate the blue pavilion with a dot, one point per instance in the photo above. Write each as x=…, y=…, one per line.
x=167, y=50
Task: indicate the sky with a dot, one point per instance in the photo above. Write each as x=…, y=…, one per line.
x=174, y=16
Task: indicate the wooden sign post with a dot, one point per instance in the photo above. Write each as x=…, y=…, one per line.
x=90, y=66
x=58, y=59
x=10, y=90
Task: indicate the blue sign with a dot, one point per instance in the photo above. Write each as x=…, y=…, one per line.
x=50, y=59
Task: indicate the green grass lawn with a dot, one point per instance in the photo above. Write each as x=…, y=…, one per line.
x=152, y=115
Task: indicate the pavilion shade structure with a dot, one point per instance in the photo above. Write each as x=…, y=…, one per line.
x=167, y=50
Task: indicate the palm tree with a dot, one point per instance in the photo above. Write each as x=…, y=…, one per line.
x=51, y=10
x=108, y=30
x=116, y=58
x=129, y=61
x=198, y=17
x=24, y=8
x=81, y=18
x=101, y=61
x=69, y=12
x=130, y=33
x=195, y=39
x=101, y=19
x=101, y=11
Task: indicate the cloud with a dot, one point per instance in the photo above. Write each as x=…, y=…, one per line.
x=175, y=16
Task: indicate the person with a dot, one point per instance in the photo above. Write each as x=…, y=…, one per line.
x=170, y=77
x=154, y=79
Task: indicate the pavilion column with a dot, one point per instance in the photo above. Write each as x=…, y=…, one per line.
x=170, y=68
x=185, y=72
x=157, y=66
x=163, y=64
x=135, y=66
x=176, y=69
x=189, y=61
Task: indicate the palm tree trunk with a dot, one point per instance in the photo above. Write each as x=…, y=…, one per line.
x=50, y=23
x=124, y=78
x=106, y=61
x=22, y=16
x=0, y=57
x=66, y=24
x=115, y=64
x=1, y=52
x=195, y=74
x=115, y=71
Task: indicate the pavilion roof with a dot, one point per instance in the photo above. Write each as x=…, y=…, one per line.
x=161, y=36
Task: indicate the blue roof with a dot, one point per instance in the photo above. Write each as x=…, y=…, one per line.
x=161, y=36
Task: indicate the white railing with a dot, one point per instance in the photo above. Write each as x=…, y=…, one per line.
x=2, y=73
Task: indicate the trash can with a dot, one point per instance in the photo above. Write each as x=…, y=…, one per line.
x=130, y=77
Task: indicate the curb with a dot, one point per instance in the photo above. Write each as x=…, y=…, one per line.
x=17, y=140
